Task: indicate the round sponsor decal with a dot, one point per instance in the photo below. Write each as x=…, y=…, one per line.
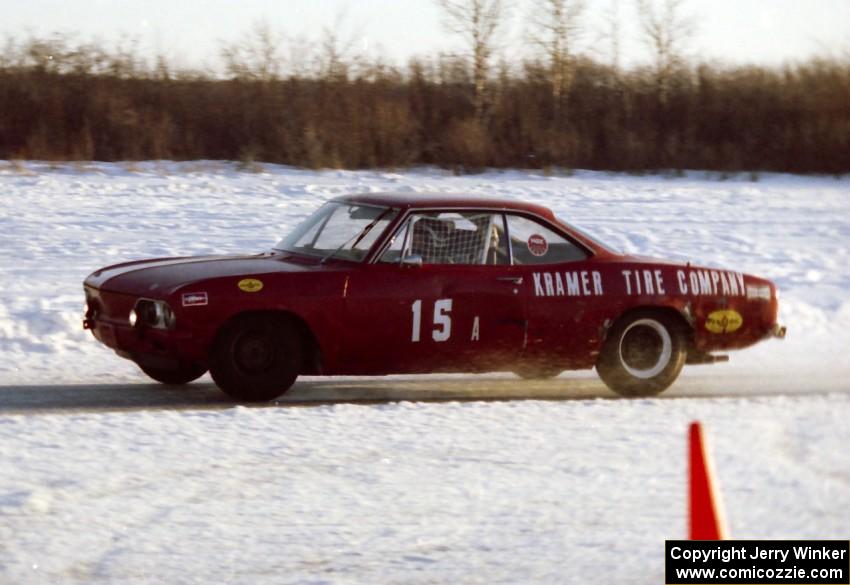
x=724, y=321
x=537, y=245
x=250, y=285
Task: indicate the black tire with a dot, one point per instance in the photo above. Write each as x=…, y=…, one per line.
x=178, y=375
x=256, y=358
x=643, y=353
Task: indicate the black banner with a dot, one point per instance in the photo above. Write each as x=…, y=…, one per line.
x=761, y=562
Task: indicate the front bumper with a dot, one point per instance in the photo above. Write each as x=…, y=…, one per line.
x=145, y=343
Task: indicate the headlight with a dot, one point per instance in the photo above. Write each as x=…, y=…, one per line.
x=168, y=318
x=151, y=313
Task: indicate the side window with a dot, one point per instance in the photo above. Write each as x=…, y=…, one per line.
x=451, y=237
x=398, y=244
x=534, y=243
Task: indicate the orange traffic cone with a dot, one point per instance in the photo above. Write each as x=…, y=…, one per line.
x=707, y=519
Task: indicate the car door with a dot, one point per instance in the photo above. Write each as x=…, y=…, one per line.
x=441, y=297
x=565, y=292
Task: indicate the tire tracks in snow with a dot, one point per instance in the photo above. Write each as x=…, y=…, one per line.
x=77, y=398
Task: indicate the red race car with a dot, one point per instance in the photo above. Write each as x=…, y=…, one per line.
x=379, y=284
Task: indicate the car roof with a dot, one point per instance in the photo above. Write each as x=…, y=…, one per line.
x=446, y=200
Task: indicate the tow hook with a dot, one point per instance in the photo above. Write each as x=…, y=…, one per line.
x=778, y=331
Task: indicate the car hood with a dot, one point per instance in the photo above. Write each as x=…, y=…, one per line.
x=164, y=275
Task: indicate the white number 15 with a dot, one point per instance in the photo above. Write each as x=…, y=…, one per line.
x=442, y=320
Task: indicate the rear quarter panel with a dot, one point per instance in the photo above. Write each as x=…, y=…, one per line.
x=572, y=319
x=721, y=305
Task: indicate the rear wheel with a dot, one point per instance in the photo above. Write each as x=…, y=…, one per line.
x=643, y=354
x=178, y=375
x=256, y=358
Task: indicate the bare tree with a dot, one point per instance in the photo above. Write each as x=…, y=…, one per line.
x=11, y=54
x=300, y=59
x=123, y=58
x=256, y=56
x=556, y=24
x=612, y=34
x=477, y=22
x=47, y=54
x=665, y=31
x=337, y=57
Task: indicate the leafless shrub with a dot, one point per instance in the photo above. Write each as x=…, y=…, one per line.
x=256, y=56
x=327, y=106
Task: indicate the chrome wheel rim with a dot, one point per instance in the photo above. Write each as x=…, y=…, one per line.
x=645, y=348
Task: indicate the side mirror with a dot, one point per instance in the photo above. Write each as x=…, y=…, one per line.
x=412, y=261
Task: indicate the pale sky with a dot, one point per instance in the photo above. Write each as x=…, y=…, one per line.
x=189, y=32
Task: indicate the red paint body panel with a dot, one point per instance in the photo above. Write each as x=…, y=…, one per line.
x=361, y=315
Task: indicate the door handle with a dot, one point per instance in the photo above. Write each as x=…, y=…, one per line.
x=512, y=279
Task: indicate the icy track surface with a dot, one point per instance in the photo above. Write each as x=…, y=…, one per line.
x=515, y=492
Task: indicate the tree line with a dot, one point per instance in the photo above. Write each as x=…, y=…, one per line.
x=320, y=105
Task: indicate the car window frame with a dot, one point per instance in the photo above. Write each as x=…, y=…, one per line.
x=402, y=222
x=405, y=222
x=379, y=240
x=551, y=227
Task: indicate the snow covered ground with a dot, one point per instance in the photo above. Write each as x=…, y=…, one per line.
x=513, y=492
x=516, y=492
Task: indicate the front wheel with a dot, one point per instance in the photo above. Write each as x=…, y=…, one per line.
x=177, y=375
x=643, y=354
x=255, y=358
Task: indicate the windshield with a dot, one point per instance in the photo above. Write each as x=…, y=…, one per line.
x=339, y=230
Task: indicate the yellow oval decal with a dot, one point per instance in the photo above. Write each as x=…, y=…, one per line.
x=250, y=285
x=724, y=321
